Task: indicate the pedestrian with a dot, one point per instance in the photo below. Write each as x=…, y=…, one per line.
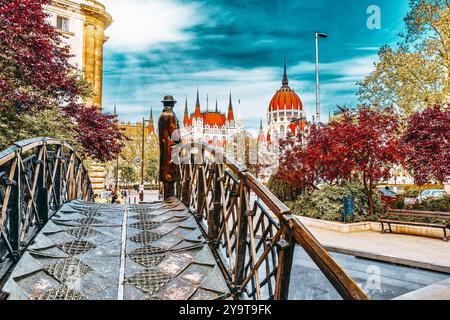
x=115, y=196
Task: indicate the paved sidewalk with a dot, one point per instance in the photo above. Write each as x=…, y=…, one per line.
x=421, y=252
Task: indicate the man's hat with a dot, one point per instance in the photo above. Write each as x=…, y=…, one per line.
x=168, y=99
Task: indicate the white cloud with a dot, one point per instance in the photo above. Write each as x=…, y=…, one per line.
x=141, y=24
x=368, y=49
x=253, y=87
x=355, y=67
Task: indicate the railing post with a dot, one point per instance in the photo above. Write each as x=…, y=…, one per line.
x=57, y=181
x=186, y=184
x=241, y=248
x=71, y=182
x=214, y=216
x=14, y=210
x=42, y=192
x=200, y=192
x=285, y=249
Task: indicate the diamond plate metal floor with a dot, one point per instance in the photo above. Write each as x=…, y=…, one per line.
x=118, y=252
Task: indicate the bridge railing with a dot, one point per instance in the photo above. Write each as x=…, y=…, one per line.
x=37, y=176
x=252, y=233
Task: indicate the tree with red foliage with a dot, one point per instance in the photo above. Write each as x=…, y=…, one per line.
x=427, y=145
x=362, y=144
x=368, y=142
x=297, y=165
x=33, y=59
x=35, y=75
x=97, y=132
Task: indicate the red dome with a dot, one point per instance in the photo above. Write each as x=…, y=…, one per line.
x=285, y=99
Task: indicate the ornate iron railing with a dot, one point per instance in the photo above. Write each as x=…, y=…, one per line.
x=37, y=176
x=251, y=232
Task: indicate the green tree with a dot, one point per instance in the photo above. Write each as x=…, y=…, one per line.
x=415, y=75
x=46, y=123
x=409, y=81
x=152, y=160
x=128, y=174
x=133, y=149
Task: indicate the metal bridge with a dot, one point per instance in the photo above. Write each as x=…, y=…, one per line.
x=225, y=236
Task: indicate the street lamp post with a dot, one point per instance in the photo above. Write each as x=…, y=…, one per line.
x=318, y=35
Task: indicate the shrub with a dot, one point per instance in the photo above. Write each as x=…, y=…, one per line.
x=282, y=190
x=326, y=203
x=433, y=204
x=399, y=204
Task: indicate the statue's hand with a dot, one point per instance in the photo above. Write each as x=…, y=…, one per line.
x=175, y=136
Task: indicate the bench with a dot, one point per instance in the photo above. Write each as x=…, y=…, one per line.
x=443, y=216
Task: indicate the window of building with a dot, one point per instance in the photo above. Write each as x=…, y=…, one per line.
x=62, y=23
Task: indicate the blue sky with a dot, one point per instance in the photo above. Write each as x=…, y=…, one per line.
x=160, y=47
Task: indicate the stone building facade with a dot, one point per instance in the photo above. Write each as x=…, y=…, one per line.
x=211, y=126
x=83, y=24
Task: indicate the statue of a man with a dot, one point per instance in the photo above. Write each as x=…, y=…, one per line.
x=169, y=136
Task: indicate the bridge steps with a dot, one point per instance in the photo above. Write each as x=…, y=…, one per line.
x=118, y=252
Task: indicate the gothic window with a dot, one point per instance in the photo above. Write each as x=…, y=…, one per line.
x=282, y=134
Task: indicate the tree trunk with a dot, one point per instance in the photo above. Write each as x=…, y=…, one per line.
x=370, y=196
x=368, y=191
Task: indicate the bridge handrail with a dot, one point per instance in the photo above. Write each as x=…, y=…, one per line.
x=37, y=176
x=26, y=145
x=207, y=190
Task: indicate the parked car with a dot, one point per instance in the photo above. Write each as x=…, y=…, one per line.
x=431, y=193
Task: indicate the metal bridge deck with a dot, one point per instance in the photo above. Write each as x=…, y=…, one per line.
x=131, y=252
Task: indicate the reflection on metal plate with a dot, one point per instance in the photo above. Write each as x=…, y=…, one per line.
x=145, y=237
x=82, y=232
x=145, y=225
x=87, y=221
x=76, y=247
x=149, y=281
x=68, y=269
x=61, y=293
x=147, y=256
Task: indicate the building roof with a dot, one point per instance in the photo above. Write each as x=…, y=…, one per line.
x=214, y=118
x=211, y=118
x=285, y=98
